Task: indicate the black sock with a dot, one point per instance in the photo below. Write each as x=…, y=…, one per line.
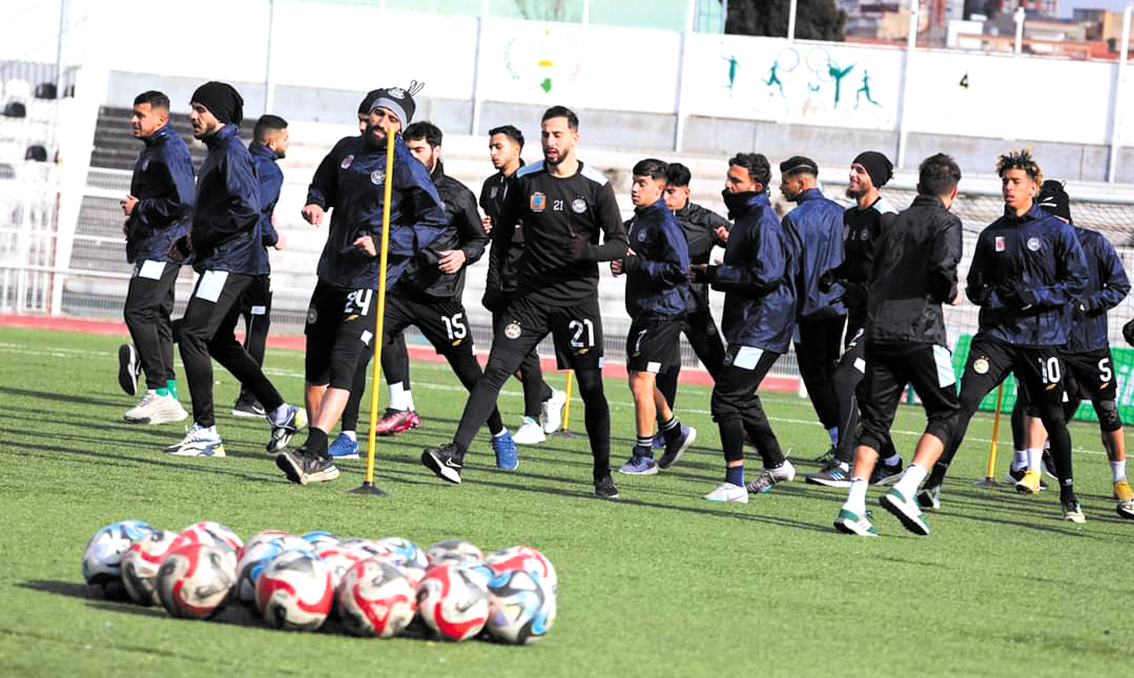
x=671, y=429
x=316, y=443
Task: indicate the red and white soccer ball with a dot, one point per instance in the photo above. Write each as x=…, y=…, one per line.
x=141, y=563
x=404, y=555
x=213, y=534
x=195, y=581
x=524, y=558
x=295, y=591
x=263, y=535
x=339, y=560
x=102, y=558
x=453, y=601
x=521, y=606
x=375, y=599
x=456, y=551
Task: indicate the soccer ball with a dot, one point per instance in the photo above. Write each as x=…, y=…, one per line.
x=102, y=559
x=404, y=555
x=521, y=607
x=524, y=558
x=375, y=599
x=219, y=533
x=200, y=533
x=295, y=591
x=368, y=548
x=453, y=601
x=195, y=581
x=339, y=560
x=141, y=563
x=454, y=551
x=255, y=559
x=321, y=539
x=263, y=535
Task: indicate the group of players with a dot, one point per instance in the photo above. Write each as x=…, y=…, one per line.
x=858, y=290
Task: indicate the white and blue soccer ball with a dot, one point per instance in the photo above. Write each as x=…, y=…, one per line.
x=456, y=551
x=404, y=555
x=375, y=600
x=295, y=591
x=524, y=558
x=262, y=535
x=195, y=581
x=453, y=601
x=255, y=558
x=102, y=558
x=321, y=539
x=141, y=563
x=521, y=606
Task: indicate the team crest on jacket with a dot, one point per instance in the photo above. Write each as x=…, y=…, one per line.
x=999, y=243
x=512, y=331
x=578, y=205
x=377, y=177
x=980, y=365
x=1034, y=244
x=642, y=235
x=865, y=235
x=346, y=161
x=538, y=202
x=312, y=315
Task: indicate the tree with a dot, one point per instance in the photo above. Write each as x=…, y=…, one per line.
x=814, y=19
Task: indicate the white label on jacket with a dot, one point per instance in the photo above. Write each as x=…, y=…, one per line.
x=747, y=357
x=944, y=359
x=259, y=310
x=151, y=270
x=210, y=285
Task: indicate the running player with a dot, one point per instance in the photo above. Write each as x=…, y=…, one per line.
x=564, y=207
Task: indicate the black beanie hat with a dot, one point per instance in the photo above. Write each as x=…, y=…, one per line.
x=222, y=100
x=398, y=100
x=877, y=166
x=799, y=164
x=368, y=101
x=1054, y=200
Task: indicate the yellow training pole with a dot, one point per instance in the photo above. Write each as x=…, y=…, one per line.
x=990, y=475
x=368, y=486
x=567, y=406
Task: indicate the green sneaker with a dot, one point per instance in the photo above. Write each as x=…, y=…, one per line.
x=852, y=523
x=905, y=510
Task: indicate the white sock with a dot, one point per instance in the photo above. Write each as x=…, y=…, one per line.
x=1020, y=460
x=1118, y=470
x=1035, y=459
x=834, y=435
x=856, y=496
x=352, y=435
x=893, y=460
x=502, y=431
x=910, y=480
x=400, y=397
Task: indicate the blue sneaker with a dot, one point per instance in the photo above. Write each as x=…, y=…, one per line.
x=659, y=440
x=640, y=465
x=344, y=447
x=505, y=448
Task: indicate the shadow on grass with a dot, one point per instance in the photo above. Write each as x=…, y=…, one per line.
x=58, y=397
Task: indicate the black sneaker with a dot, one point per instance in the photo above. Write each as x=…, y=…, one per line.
x=247, y=406
x=833, y=475
x=128, y=369
x=604, y=487
x=302, y=468
x=445, y=461
x=884, y=474
x=676, y=446
x=1049, y=465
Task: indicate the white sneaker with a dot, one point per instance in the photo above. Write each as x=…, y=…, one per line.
x=198, y=442
x=551, y=412
x=727, y=492
x=529, y=433
x=155, y=409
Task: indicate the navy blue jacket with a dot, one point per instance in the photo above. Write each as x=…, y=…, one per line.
x=226, y=217
x=324, y=183
x=163, y=183
x=819, y=225
x=417, y=216
x=271, y=180
x=1025, y=273
x=659, y=283
x=758, y=275
x=1107, y=286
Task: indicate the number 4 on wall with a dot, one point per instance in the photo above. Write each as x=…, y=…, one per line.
x=964, y=82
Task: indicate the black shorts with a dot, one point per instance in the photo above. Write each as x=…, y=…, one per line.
x=340, y=325
x=653, y=344
x=889, y=367
x=444, y=322
x=1090, y=375
x=577, y=331
x=1039, y=370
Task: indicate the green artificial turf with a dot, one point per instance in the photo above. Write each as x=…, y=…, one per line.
x=656, y=583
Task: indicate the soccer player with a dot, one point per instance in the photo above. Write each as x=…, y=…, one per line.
x=564, y=206
x=700, y=227
x=657, y=291
x=915, y=272
x=863, y=224
x=158, y=211
x=543, y=405
x=1087, y=358
x=431, y=298
x=225, y=243
x=758, y=279
x=341, y=317
x=819, y=331
x=270, y=141
x=1027, y=270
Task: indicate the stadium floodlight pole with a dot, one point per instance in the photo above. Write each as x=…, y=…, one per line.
x=1123, y=53
x=565, y=428
x=368, y=486
x=990, y=474
x=903, y=116
x=1019, y=17
x=791, y=21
